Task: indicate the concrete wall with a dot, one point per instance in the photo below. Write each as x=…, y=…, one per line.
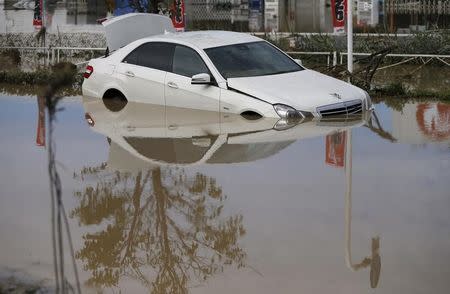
x=305, y=16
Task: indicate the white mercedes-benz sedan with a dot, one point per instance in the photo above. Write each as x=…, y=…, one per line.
x=219, y=71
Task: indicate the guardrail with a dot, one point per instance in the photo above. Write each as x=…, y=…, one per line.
x=294, y=34
x=332, y=57
x=53, y=55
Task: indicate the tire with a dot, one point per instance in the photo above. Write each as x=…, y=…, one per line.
x=115, y=104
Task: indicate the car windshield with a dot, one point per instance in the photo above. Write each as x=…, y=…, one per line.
x=250, y=60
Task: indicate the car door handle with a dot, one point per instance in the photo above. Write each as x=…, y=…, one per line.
x=129, y=74
x=172, y=85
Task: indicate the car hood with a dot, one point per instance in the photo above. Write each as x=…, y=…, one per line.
x=304, y=90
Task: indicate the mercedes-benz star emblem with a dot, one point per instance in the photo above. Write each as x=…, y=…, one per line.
x=336, y=95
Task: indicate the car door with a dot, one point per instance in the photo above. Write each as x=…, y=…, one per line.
x=190, y=107
x=170, y=150
x=142, y=73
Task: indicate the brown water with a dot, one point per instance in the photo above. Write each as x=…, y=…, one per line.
x=202, y=203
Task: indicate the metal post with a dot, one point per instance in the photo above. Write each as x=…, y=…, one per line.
x=348, y=200
x=374, y=259
x=350, y=36
x=334, y=58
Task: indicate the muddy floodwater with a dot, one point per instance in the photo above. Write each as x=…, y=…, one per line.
x=173, y=201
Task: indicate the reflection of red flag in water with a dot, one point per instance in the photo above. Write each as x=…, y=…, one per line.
x=40, y=136
x=177, y=15
x=335, y=149
x=434, y=120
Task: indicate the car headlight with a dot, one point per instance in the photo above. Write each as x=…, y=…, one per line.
x=287, y=112
x=284, y=124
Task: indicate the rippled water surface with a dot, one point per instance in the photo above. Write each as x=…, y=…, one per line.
x=172, y=201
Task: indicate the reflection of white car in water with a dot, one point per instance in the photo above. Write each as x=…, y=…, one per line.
x=217, y=71
x=143, y=134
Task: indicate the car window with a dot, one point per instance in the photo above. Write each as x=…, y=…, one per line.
x=235, y=153
x=250, y=60
x=153, y=55
x=169, y=150
x=132, y=57
x=187, y=62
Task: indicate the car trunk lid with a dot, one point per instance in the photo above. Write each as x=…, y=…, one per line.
x=124, y=29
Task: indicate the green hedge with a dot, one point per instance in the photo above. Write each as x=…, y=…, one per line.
x=434, y=42
x=62, y=73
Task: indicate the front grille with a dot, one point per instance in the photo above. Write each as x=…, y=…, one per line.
x=347, y=108
x=344, y=120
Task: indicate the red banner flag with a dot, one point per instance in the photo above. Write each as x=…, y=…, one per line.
x=178, y=15
x=339, y=11
x=335, y=149
x=37, y=19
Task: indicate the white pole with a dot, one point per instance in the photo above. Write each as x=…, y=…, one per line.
x=348, y=200
x=350, y=35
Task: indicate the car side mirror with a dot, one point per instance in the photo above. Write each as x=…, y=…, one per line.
x=201, y=79
x=299, y=61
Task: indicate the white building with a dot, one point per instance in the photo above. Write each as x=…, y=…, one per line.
x=305, y=16
x=367, y=12
x=218, y=10
x=271, y=15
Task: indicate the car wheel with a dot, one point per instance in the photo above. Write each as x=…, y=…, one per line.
x=115, y=103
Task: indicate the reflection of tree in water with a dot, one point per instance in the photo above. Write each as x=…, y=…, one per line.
x=161, y=227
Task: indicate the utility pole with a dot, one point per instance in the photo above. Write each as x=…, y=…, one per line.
x=350, y=36
x=374, y=260
x=348, y=197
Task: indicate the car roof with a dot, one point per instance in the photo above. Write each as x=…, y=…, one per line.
x=207, y=39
